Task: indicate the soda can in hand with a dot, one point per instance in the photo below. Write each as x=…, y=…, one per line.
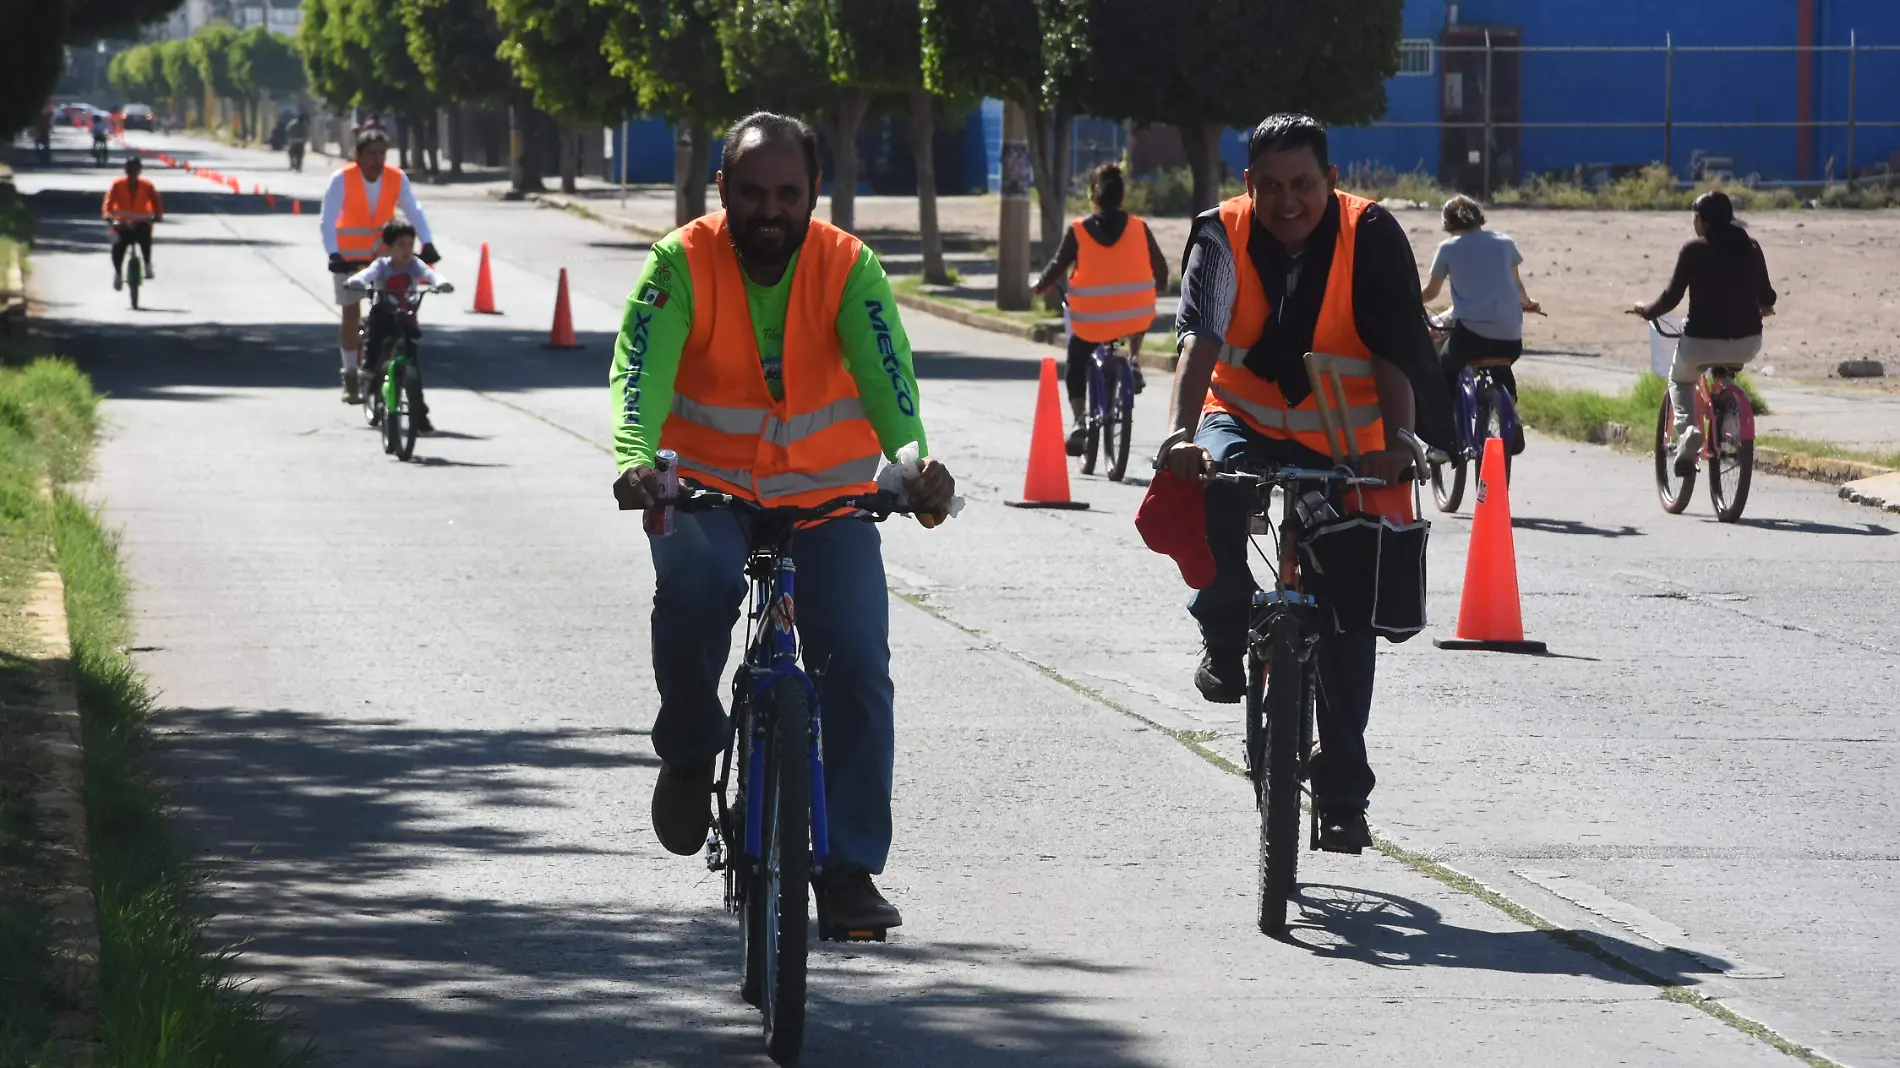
x=659, y=517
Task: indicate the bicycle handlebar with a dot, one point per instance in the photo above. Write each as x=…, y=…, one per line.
x=880, y=505
x=1291, y=473
x=1656, y=324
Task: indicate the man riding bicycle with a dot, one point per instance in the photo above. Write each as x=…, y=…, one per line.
x=1118, y=271
x=1296, y=266
x=296, y=136
x=764, y=348
x=361, y=199
x=131, y=206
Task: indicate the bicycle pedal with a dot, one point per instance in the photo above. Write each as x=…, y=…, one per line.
x=837, y=934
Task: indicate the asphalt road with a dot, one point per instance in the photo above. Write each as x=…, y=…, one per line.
x=405, y=706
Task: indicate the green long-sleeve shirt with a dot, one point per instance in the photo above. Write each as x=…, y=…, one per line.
x=660, y=316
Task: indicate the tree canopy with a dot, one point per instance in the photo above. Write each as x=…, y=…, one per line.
x=556, y=48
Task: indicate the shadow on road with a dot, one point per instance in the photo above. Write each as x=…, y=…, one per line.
x=321, y=826
x=1573, y=526
x=1804, y=526
x=1389, y=931
x=967, y=367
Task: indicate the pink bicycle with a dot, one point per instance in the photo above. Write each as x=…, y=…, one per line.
x=1727, y=422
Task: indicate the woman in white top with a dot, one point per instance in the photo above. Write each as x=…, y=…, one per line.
x=1488, y=300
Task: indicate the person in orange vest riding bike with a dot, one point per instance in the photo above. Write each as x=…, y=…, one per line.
x=764, y=348
x=1118, y=269
x=132, y=205
x=1294, y=266
x=361, y=199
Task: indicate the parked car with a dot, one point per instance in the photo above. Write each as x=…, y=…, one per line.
x=140, y=117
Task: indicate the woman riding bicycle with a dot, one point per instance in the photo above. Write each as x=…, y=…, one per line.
x=1726, y=277
x=1109, y=294
x=1488, y=300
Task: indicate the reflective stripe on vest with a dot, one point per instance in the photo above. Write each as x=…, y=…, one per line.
x=1112, y=292
x=815, y=443
x=359, y=228
x=1337, y=346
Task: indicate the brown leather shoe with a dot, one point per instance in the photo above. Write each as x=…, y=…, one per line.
x=682, y=807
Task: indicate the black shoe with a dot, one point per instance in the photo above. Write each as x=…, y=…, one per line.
x=118, y=281
x=1344, y=830
x=423, y=426
x=682, y=807
x=1222, y=677
x=1078, y=438
x=1140, y=382
x=852, y=904
x=151, y=274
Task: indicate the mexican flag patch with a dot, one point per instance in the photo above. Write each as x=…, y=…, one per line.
x=653, y=295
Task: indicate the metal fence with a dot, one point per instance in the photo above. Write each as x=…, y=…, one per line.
x=1667, y=125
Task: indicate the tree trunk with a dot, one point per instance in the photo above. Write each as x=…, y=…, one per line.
x=691, y=152
x=457, y=140
x=841, y=127
x=1012, y=240
x=923, y=135
x=1202, y=142
x=524, y=157
x=570, y=157
x=1047, y=129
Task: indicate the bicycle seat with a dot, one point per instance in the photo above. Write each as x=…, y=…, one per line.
x=1723, y=369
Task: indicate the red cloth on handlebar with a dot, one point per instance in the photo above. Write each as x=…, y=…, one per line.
x=1172, y=521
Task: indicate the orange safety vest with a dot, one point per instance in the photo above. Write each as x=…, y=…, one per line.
x=803, y=450
x=129, y=202
x=1336, y=346
x=1112, y=292
x=358, y=229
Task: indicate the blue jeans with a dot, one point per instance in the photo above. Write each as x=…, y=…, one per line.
x=1342, y=777
x=844, y=631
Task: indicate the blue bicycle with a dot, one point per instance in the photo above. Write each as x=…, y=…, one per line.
x=771, y=838
x=1111, y=409
x=1482, y=409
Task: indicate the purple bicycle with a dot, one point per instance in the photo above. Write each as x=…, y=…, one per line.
x=1111, y=409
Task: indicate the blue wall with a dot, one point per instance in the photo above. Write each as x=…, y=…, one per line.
x=1408, y=98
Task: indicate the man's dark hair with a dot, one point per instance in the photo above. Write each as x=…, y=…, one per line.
x=1106, y=186
x=1286, y=132
x=771, y=126
x=396, y=229
x=132, y=164
x=369, y=135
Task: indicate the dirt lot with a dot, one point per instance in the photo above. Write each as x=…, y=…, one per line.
x=1838, y=273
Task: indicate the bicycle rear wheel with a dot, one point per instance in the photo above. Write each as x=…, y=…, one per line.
x=1287, y=690
x=1672, y=490
x=134, y=276
x=1116, y=429
x=1734, y=464
x=1449, y=489
x=1491, y=425
x=779, y=904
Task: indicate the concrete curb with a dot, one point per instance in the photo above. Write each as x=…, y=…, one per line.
x=61, y=802
x=1861, y=483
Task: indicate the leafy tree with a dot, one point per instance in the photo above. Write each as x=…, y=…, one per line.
x=264, y=62
x=138, y=74
x=210, y=51
x=1330, y=60
x=182, y=78
x=555, y=50
x=453, y=43
x=669, y=52
x=996, y=48
x=30, y=60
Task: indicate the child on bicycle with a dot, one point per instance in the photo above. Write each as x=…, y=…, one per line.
x=1488, y=300
x=1726, y=277
x=1108, y=255
x=399, y=261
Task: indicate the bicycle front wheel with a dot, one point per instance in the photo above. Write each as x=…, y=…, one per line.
x=1672, y=490
x=134, y=277
x=1288, y=688
x=779, y=905
x=1734, y=464
x=400, y=424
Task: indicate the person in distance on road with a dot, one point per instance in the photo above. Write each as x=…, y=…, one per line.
x=1488, y=300
x=1296, y=265
x=1725, y=276
x=361, y=199
x=399, y=262
x=763, y=346
x=1118, y=270
x=132, y=205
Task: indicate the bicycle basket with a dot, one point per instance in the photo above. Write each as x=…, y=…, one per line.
x=1368, y=573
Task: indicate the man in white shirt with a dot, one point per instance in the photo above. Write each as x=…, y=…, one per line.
x=362, y=198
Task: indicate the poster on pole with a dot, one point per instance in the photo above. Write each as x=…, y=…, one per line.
x=1017, y=173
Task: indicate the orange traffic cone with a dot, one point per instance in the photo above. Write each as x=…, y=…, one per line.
x=1489, y=616
x=234, y=186
x=296, y=206
x=1046, y=485
x=562, y=335
x=485, y=287
x=270, y=201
